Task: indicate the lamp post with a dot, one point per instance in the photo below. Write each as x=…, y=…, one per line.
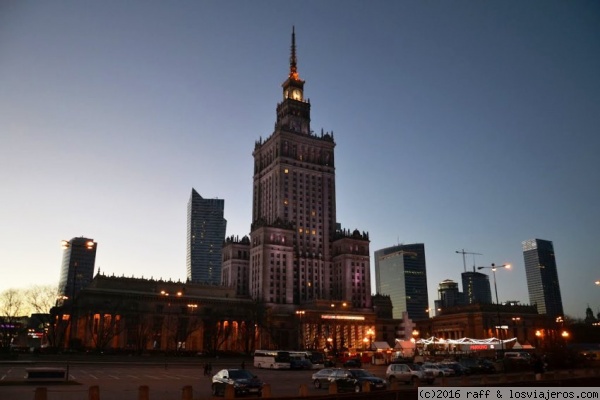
x=300, y=314
x=370, y=334
x=415, y=336
x=493, y=267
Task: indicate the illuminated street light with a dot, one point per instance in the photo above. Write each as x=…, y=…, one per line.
x=493, y=267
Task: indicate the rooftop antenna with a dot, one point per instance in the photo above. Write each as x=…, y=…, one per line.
x=463, y=252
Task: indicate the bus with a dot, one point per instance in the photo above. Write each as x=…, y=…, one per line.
x=272, y=359
x=316, y=358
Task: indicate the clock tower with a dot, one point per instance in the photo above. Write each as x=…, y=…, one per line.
x=294, y=112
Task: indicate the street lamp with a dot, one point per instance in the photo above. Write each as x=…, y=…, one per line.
x=300, y=314
x=370, y=334
x=493, y=267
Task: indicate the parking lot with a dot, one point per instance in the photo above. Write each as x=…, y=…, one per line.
x=122, y=381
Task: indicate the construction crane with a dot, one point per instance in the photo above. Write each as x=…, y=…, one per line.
x=463, y=252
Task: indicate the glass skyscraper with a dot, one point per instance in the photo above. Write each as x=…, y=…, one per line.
x=401, y=273
x=476, y=288
x=542, y=277
x=77, y=271
x=205, y=236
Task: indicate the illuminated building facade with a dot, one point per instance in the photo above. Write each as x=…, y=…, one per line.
x=297, y=255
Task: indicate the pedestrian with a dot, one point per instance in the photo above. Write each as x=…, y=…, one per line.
x=538, y=367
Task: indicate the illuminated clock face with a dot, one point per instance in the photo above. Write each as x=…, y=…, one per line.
x=296, y=94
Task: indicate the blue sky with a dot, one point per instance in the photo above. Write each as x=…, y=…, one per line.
x=459, y=124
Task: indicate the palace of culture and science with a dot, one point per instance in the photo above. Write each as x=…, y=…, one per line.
x=298, y=281
x=296, y=254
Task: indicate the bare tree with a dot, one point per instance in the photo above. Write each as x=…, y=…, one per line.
x=41, y=298
x=11, y=308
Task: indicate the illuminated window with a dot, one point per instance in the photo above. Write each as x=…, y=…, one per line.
x=285, y=171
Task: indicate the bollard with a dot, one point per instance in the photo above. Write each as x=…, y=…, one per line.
x=94, y=393
x=303, y=390
x=416, y=382
x=365, y=387
x=395, y=385
x=229, y=392
x=187, y=393
x=484, y=380
x=143, y=393
x=444, y=381
x=266, y=391
x=464, y=380
x=41, y=393
x=333, y=389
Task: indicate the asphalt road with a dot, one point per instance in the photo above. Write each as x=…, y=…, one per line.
x=121, y=381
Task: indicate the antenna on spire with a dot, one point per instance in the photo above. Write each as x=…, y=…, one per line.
x=293, y=60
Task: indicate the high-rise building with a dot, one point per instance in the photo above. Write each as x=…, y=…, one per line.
x=448, y=295
x=476, y=288
x=205, y=235
x=542, y=277
x=296, y=253
x=401, y=273
x=78, y=262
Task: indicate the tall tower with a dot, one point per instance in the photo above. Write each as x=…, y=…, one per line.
x=542, y=277
x=205, y=235
x=77, y=271
x=401, y=273
x=293, y=259
x=476, y=288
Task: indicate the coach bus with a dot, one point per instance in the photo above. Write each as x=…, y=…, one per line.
x=316, y=358
x=272, y=359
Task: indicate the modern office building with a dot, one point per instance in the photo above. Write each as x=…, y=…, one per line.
x=448, y=295
x=297, y=255
x=542, y=277
x=78, y=262
x=476, y=288
x=205, y=235
x=401, y=273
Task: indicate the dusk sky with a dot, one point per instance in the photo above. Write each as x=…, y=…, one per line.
x=460, y=124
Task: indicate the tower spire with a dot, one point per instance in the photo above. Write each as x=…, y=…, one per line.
x=293, y=68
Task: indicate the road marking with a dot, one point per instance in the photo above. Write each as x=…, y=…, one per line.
x=93, y=376
x=113, y=376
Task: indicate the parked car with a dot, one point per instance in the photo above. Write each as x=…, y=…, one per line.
x=408, y=373
x=353, y=363
x=244, y=382
x=300, y=363
x=435, y=369
x=323, y=377
x=478, y=366
x=353, y=380
x=459, y=369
